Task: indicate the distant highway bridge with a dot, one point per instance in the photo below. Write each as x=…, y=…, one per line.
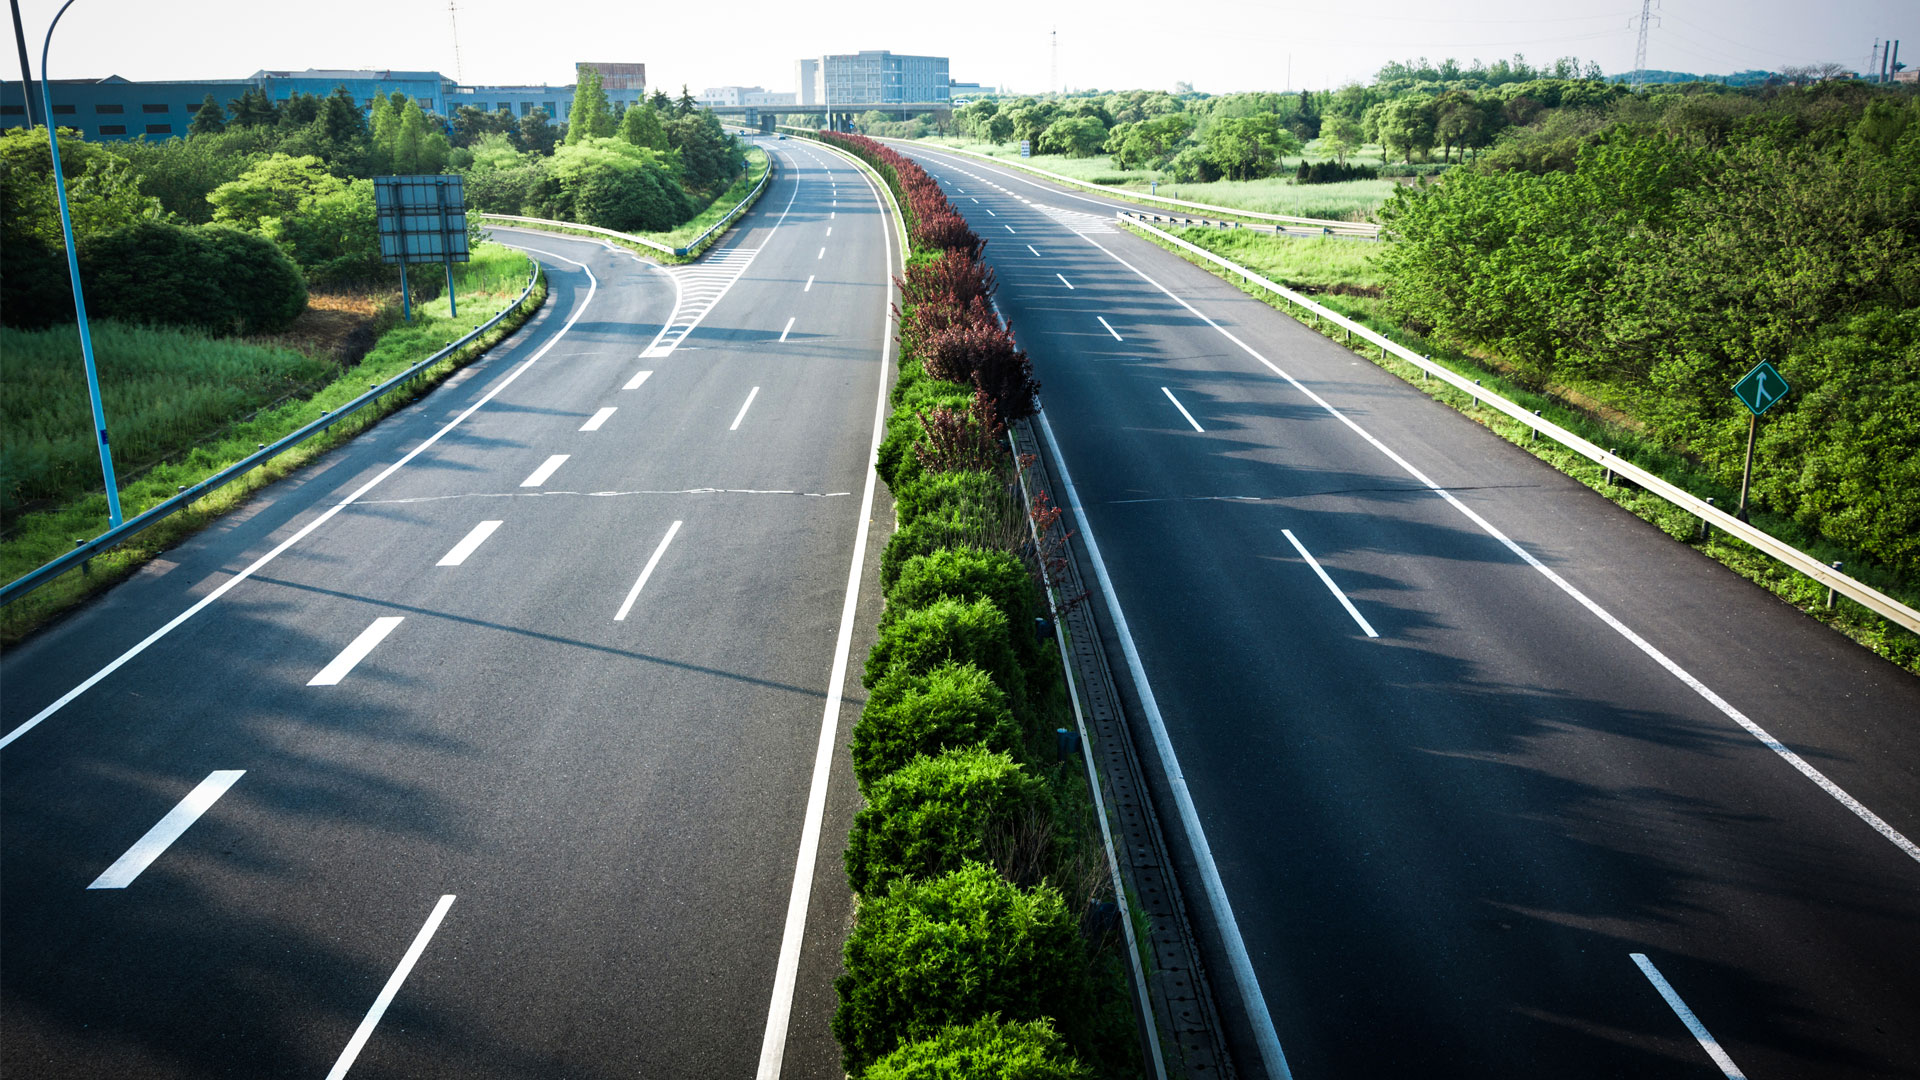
x=839, y=116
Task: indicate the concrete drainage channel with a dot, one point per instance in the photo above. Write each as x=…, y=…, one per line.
x=1181, y=1001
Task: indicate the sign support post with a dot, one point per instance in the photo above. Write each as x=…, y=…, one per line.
x=1759, y=390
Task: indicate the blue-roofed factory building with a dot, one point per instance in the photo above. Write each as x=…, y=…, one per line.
x=117, y=108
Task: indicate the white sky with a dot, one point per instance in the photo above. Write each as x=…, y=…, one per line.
x=1219, y=46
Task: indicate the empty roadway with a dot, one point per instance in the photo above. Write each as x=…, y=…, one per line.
x=1468, y=845
x=486, y=719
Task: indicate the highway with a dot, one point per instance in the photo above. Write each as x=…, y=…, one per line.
x=1483, y=775
x=490, y=744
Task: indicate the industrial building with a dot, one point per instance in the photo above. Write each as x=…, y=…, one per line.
x=117, y=108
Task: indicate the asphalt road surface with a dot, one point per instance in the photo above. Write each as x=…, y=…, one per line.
x=1481, y=761
x=502, y=765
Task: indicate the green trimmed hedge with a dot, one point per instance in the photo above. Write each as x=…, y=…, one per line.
x=934, y=815
x=963, y=946
x=987, y=1049
x=948, y=630
x=909, y=715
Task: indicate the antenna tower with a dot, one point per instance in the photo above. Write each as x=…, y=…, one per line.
x=1053, y=75
x=1640, y=49
x=453, y=19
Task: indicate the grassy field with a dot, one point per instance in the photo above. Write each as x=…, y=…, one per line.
x=1312, y=264
x=486, y=286
x=1621, y=435
x=1354, y=200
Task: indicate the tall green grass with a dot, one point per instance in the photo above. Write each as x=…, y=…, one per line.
x=1314, y=263
x=485, y=287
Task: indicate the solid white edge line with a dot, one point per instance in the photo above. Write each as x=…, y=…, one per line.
x=1064, y=281
x=789, y=329
x=1700, y=1033
x=1800, y=765
x=305, y=530
x=469, y=544
x=387, y=992
x=545, y=471
x=773, y=1045
x=638, y=378
x=356, y=651
x=1238, y=959
x=645, y=573
x=1183, y=410
x=168, y=829
x=747, y=404
x=1328, y=582
x=1110, y=329
x=593, y=422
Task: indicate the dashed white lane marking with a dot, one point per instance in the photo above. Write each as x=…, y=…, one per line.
x=1183, y=410
x=1700, y=1033
x=1009, y=228
x=387, y=992
x=638, y=378
x=546, y=470
x=593, y=422
x=829, y=230
x=1328, y=582
x=744, y=406
x=1110, y=329
x=1064, y=281
x=469, y=544
x=697, y=289
x=593, y=285
x=357, y=651
x=990, y=213
x=166, y=830
x=647, y=572
x=1647, y=648
x=789, y=329
x=1031, y=248
x=808, y=287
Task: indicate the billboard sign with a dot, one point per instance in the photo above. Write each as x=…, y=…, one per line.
x=423, y=219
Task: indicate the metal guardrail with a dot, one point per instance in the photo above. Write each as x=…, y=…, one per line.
x=1278, y=229
x=1356, y=227
x=33, y=579
x=1874, y=600
x=679, y=252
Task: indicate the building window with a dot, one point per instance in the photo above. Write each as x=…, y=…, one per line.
x=153, y=108
x=63, y=110
x=109, y=108
x=13, y=110
x=551, y=111
x=159, y=129
x=113, y=129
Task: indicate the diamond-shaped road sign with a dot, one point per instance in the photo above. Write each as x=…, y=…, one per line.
x=1760, y=388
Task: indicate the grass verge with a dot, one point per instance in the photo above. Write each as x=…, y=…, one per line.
x=1623, y=437
x=486, y=286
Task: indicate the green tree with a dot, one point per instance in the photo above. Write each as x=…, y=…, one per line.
x=1074, y=136
x=252, y=109
x=1340, y=136
x=1404, y=126
x=590, y=117
x=662, y=104
x=640, y=126
x=1147, y=144
x=537, y=133
x=209, y=119
x=1249, y=147
x=687, y=104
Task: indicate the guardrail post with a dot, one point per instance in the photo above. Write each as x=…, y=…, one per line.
x=1703, y=524
x=1536, y=431
x=1836, y=565
x=1610, y=452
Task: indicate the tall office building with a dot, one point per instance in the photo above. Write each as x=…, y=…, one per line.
x=878, y=77
x=806, y=82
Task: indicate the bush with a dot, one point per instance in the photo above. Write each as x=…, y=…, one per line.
x=215, y=278
x=933, y=815
x=987, y=1049
x=955, y=526
x=947, y=630
x=932, y=492
x=961, y=947
x=966, y=573
x=909, y=715
x=947, y=231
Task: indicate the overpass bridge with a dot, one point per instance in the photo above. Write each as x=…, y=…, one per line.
x=837, y=116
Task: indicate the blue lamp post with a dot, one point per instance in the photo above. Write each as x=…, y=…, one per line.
x=73, y=270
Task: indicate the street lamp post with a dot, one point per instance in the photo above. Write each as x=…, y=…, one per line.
x=73, y=270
